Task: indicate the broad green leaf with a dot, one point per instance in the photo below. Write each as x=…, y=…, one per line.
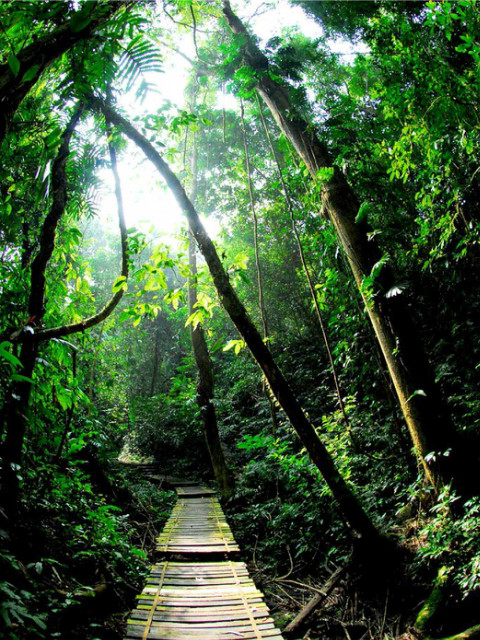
x=363, y=212
x=120, y=284
x=80, y=21
x=236, y=345
x=6, y=355
x=30, y=73
x=14, y=64
x=16, y=377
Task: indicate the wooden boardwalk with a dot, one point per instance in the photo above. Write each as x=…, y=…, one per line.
x=209, y=600
x=197, y=525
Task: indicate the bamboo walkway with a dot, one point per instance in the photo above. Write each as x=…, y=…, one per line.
x=188, y=599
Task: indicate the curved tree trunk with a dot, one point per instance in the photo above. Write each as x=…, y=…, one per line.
x=16, y=412
x=349, y=506
x=30, y=336
x=427, y=419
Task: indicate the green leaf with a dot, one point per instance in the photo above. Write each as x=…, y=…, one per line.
x=324, y=174
x=31, y=73
x=80, y=21
x=363, y=212
x=236, y=345
x=64, y=397
x=19, y=378
x=14, y=64
x=418, y=392
x=6, y=355
x=53, y=138
x=394, y=291
x=195, y=319
x=120, y=284
x=126, y=315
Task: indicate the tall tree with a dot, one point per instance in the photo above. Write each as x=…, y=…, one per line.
x=205, y=382
x=429, y=424
x=32, y=334
x=258, y=266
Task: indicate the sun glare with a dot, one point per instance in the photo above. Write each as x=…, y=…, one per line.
x=148, y=203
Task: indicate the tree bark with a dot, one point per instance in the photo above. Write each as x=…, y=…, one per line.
x=359, y=522
x=36, y=302
x=43, y=52
x=87, y=323
x=306, y=272
x=472, y=633
x=427, y=419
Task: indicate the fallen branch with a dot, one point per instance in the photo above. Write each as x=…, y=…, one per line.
x=313, y=604
x=472, y=634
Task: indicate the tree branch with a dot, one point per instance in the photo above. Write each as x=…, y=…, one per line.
x=43, y=52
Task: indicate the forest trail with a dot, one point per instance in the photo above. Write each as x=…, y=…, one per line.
x=185, y=598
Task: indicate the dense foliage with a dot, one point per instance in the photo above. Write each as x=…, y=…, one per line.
x=392, y=90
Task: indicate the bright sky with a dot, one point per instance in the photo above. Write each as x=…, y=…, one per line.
x=146, y=203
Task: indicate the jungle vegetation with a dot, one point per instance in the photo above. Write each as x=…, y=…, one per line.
x=307, y=337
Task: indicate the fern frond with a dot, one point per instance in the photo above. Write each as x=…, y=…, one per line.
x=140, y=58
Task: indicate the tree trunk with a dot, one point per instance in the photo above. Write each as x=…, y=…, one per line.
x=306, y=272
x=427, y=419
x=359, y=522
x=156, y=362
x=87, y=323
x=205, y=381
x=16, y=412
x=261, y=300
x=16, y=419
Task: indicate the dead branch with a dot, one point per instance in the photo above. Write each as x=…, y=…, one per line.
x=313, y=604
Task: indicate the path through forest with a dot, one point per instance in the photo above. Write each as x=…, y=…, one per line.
x=197, y=590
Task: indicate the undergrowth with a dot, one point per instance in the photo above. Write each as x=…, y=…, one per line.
x=79, y=557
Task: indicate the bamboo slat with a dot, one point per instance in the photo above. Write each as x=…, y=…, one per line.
x=207, y=601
